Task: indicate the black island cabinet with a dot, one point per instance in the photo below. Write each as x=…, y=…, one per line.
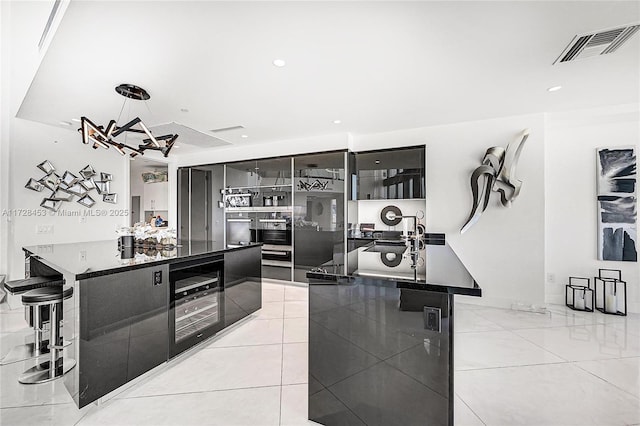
x=132, y=312
x=381, y=335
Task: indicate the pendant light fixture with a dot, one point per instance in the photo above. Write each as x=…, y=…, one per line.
x=102, y=137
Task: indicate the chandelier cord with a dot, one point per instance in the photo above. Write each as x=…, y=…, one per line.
x=148, y=109
x=121, y=109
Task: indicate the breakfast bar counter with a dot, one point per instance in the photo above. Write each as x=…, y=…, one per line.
x=381, y=334
x=134, y=308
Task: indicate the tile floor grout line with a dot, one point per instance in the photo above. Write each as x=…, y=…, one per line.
x=238, y=346
x=512, y=366
x=603, y=379
x=470, y=409
x=537, y=345
x=189, y=393
x=45, y=404
x=568, y=360
x=281, y=364
x=85, y=414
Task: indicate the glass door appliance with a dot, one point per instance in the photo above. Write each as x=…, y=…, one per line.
x=196, y=302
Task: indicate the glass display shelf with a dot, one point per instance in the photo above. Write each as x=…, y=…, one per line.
x=283, y=186
x=268, y=209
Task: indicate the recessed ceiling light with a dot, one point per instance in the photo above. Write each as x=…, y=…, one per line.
x=279, y=62
x=176, y=146
x=66, y=123
x=244, y=136
x=377, y=161
x=77, y=120
x=554, y=88
x=337, y=121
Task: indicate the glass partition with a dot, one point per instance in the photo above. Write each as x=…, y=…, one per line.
x=391, y=174
x=318, y=211
x=200, y=214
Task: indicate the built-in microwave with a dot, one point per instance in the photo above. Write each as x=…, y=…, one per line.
x=280, y=237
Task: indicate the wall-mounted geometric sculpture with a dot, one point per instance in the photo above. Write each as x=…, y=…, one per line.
x=110, y=198
x=63, y=189
x=87, y=201
x=497, y=173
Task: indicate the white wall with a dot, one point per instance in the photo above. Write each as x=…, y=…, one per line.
x=32, y=143
x=571, y=208
x=5, y=86
x=504, y=251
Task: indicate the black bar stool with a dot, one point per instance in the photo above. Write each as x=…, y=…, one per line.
x=57, y=365
x=37, y=317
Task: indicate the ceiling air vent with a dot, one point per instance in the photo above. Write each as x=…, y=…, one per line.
x=594, y=44
x=226, y=129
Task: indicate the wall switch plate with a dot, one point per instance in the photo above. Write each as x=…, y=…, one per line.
x=83, y=256
x=157, y=277
x=44, y=229
x=432, y=319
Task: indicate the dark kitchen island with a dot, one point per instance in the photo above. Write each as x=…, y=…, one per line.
x=381, y=334
x=134, y=309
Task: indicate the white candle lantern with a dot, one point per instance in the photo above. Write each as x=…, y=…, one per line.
x=610, y=292
x=579, y=295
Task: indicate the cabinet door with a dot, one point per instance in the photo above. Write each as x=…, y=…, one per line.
x=156, y=196
x=123, y=329
x=149, y=196
x=162, y=196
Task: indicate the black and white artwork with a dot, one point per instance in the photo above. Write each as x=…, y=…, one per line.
x=617, y=230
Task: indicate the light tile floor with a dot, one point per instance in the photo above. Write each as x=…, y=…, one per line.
x=561, y=368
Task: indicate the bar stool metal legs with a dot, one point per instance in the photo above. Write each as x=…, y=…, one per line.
x=30, y=350
x=56, y=366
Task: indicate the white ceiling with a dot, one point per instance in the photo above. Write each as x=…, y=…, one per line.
x=376, y=66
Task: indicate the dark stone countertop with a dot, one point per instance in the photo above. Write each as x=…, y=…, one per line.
x=439, y=268
x=96, y=258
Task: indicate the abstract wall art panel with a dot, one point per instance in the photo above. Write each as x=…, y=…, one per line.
x=617, y=204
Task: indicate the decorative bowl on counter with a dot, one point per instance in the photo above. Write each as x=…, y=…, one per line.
x=149, y=237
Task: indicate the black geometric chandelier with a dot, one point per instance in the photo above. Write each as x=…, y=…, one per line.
x=102, y=137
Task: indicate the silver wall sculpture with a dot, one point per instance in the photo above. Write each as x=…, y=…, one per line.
x=64, y=188
x=497, y=173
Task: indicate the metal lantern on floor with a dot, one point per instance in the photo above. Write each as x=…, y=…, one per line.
x=610, y=292
x=579, y=295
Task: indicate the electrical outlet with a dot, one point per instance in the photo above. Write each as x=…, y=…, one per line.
x=157, y=277
x=551, y=277
x=432, y=319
